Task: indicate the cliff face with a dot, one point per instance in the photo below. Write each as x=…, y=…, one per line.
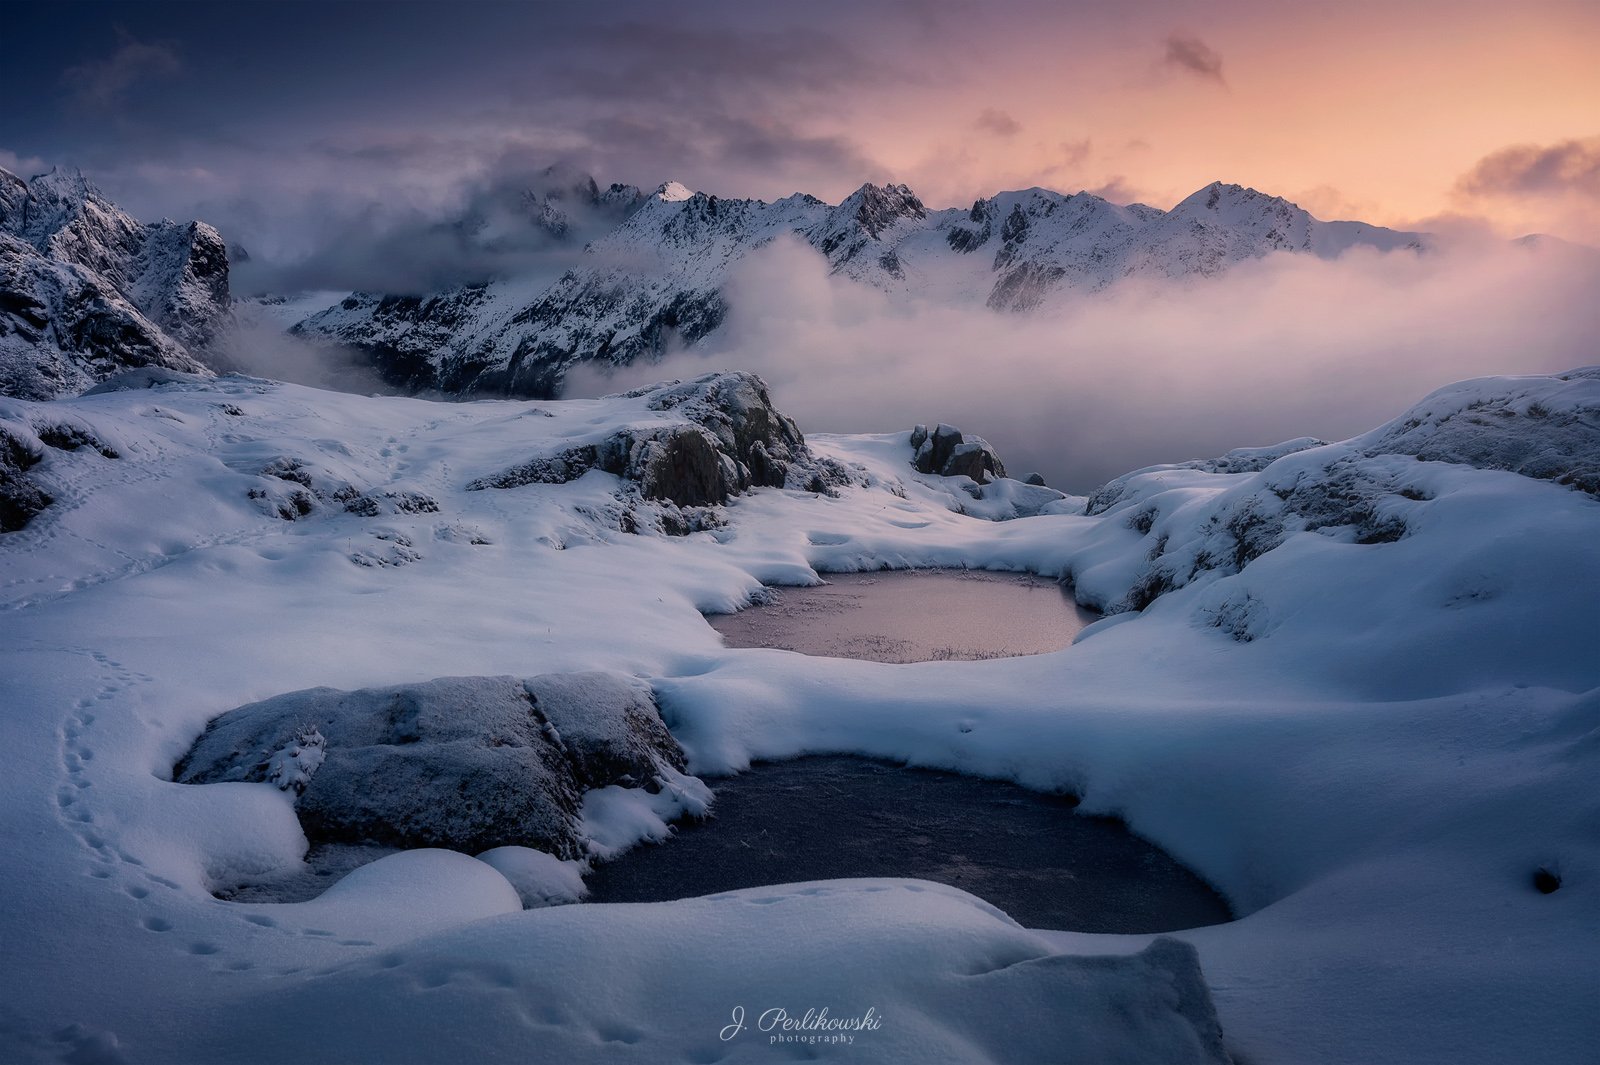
x=87, y=291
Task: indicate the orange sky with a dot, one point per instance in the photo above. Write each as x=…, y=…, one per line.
x=1352, y=110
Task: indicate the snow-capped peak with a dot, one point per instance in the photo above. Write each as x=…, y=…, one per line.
x=674, y=192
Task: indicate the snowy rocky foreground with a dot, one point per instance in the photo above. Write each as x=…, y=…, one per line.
x=1354, y=685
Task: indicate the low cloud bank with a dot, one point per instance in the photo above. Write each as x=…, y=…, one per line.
x=1152, y=372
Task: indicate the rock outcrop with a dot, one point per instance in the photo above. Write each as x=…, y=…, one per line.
x=466, y=763
x=725, y=438
x=1361, y=491
x=20, y=497
x=946, y=452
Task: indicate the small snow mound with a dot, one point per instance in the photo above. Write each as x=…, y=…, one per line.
x=541, y=879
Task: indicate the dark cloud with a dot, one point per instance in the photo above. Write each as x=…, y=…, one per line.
x=993, y=120
x=1187, y=53
x=102, y=83
x=1570, y=167
x=710, y=142
x=682, y=62
x=523, y=216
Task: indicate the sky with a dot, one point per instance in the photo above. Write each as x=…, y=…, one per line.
x=297, y=127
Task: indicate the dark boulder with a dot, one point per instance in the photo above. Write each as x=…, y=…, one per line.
x=731, y=438
x=947, y=453
x=20, y=497
x=467, y=763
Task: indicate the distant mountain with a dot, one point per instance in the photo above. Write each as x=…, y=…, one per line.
x=658, y=278
x=87, y=291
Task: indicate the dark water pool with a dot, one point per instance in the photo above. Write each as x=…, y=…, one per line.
x=828, y=817
x=913, y=616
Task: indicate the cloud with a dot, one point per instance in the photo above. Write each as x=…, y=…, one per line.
x=1148, y=372
x=22, y=165
x=101, y=83
x=493, y=225
x=1187, y=53
x=995, y=121
x=1117, y=189
x=1569, y=167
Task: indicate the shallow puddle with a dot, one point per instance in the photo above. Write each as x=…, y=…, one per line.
x=913, y=616
x=828, y=817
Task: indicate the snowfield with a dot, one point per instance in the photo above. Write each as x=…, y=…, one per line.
x=1354, y=685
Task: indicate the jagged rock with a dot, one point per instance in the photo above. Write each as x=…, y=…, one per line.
x=732, y=439
x=468, y=763
x=317, y=484
x=70, y=436
x=947, y=453
x=1034, y=479
x=87, y=291
x=20, y=497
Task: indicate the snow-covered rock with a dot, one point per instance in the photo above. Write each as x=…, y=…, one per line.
x=1367, y=490
x=20, y=497
x=657, y=281
x=86, y=290
x=467, y=763
x=946, y=452
x=721, y=435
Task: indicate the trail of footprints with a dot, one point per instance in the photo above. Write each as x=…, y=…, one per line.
x=75, y=802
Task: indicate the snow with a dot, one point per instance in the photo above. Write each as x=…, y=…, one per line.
x=673, y=192
x=88, y=290
x=1369, y=747
x=659, y=279
x=541, y=879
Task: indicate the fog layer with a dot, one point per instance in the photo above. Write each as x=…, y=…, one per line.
x=1142, y=373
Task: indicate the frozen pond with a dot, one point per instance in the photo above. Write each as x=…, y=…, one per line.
x=913, y=616
x=827, y=817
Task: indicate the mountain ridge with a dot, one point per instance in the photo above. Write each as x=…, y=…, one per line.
x=657, y=281
x=86, y=290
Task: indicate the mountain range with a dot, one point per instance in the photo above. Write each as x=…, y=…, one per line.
x=659, y=279
x=86, y=290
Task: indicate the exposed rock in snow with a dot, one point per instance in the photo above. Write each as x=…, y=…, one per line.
x=86, y=290
x=657, y=280
x=20, y=497
x=1362, y=491
x=731, y=438
x=467, y=763
x=946, y=452
x=1528, y=426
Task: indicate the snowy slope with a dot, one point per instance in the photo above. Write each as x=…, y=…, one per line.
x=658, y=279
x=1368, y=743
x=86, y=290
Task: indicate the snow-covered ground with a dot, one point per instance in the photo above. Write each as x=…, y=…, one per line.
x=1362, y=699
